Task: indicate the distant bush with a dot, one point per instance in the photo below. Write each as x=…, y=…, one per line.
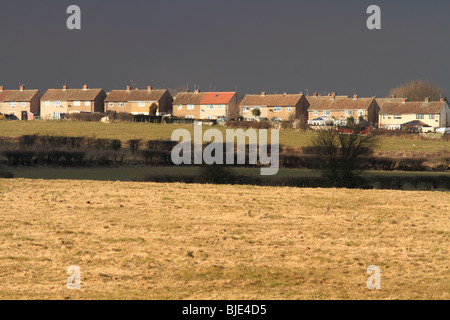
x=19, y=158
x=412, y=164
x=124, y=117
x=248, y=125
x=134, y=145
x=28, y=140
x=157, y=157
x=161, y=145
x=216, y=174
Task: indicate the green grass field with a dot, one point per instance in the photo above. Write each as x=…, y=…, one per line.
x=145, y=131
x=133, y=173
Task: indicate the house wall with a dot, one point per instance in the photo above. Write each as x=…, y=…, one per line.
x=5, y=108
x=165, y=104
x=183, y=112
x=30, y=106
x=440, y=120
x=297, y=111
x=97, y=105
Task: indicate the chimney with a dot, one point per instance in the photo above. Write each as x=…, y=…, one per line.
x=149, y=88
x=22, y=87
x=197, y=91
x=442, y=99
x=128, y=88
x=404, y=100
x=263, y=93
x=393, y=96
x=427, y=100
x=85, y=87
x=355, y=97
x=315, y=94
x=2, y=88
x=333, y=95
x=64, y=87
x=285, y=94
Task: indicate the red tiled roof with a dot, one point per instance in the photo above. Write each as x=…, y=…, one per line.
x=218, y=97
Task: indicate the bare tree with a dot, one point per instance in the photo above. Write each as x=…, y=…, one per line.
x=418, y=90
x=340, y=154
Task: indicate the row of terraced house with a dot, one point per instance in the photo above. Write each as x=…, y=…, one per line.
x=391, y=113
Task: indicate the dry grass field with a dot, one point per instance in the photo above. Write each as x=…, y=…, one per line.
x=177, y=241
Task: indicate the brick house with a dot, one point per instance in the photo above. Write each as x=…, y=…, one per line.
x=206, y=105
x=342, y=108
x=19, y=103
x=139, y=101
x=275, y=107
x=56, y=103
x=432, y=113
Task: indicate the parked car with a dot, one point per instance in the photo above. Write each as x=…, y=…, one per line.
x=443, y=130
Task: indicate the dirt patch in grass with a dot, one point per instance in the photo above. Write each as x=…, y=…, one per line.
x=177, y=241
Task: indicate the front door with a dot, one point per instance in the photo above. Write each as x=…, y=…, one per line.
x=24, y=115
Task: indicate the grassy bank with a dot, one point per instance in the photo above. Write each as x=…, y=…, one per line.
x=144, y=131
x=133, y=173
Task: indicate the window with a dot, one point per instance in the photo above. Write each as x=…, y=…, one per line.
x=141, y=104
x=315, y=113
x=431, y=116
x=360, y=113
x=246, y=109
x=57, y=103
x=397, y=116
x=327, y=113
x=277, y=109
x=210, y=117
x=77, y=103
x=222, y=106
x=190, y=107
x=179, y=107
x=121, y=104
x=12, y=104
x=420, y=116
x=111, y=104
x=210, y=106
x=23, y=104
x=385, y=116
x=47, y=103
x=289, y=109
x=189, y=117
x=277, y=119
x=87, y=103
x=348, y=112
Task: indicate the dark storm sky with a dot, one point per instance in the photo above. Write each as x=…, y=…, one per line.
x=255, y=45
